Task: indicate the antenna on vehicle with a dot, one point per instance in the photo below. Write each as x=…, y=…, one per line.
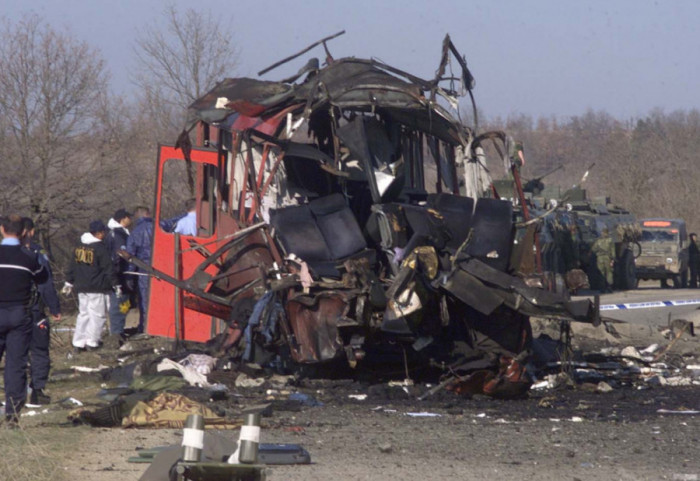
x=292, y=57
x=585, y=175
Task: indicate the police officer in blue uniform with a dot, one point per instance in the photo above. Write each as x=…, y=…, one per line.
x=20, y=271
x=47, y=296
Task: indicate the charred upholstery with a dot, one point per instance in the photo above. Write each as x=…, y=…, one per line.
x=338, y=226
x=457, y=212
x=491, y=225
x=322, y=233
x=297, y=230
x=492, y=238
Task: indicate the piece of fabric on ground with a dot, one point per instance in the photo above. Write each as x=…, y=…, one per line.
x=157, y=383
x=169, y=410
x=201, y=363
x=191, y=375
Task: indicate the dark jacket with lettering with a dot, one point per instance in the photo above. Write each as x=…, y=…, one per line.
x=48, y=297
x=20, y=269
x=91, y=269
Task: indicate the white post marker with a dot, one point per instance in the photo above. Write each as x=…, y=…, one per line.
x=248, y=441
x=193, y=438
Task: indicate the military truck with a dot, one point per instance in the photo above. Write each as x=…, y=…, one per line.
x=570, y=229
x=664, y=251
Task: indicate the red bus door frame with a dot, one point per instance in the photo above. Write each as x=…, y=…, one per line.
x=163, y=307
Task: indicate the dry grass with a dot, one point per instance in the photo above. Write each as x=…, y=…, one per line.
x=31, y=454
x=49, y=447
x=39, y=450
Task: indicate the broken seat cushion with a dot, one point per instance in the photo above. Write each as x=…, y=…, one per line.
x=338, y=226
x=457, y=211
x=297, y=230
x=493, y=232
x=322, y=233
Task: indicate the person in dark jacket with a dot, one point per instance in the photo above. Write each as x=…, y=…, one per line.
x=116, y=240
x=693, y=260
x=20, y=271
x=139, y=245
x=92, y=274
x=41, y=326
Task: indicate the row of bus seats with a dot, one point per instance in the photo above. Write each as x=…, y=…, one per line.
x=325, y=231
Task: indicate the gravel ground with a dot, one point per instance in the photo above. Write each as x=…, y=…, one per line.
x=558, y=435
x=569, y=433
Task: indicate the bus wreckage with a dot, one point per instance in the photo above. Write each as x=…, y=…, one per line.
x=345, y=214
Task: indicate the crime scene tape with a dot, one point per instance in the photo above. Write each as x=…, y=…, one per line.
x=649, y=304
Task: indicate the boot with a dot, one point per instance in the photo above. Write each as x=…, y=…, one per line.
x=39, y=397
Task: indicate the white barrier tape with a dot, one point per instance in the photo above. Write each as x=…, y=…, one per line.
x=649, y=304
x=250, y=433
x=193, y=438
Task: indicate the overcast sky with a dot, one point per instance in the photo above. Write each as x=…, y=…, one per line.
x=542, y=58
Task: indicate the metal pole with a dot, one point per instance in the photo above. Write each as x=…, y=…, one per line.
x=249, y=439
x=193, y=438
x=178, y=313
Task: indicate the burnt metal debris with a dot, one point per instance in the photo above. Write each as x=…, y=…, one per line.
x=345, y=214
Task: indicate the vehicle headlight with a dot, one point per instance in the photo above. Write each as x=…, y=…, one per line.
x=669, y=260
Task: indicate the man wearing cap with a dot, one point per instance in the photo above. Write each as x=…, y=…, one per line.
x=119, y=302
x=92, y=274
x=20, y=270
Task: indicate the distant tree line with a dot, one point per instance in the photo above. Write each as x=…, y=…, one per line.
x=71, y=151
x=651, y=166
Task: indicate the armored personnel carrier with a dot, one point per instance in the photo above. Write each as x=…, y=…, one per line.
x=569, y=229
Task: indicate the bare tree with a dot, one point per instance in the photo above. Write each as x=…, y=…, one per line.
x=182, y=61
x=50, y=87
x=128, y=145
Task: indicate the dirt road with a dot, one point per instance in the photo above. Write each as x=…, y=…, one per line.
x=550, y=436
x=553, y=434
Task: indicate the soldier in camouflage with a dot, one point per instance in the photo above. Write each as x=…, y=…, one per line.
x=604, y=250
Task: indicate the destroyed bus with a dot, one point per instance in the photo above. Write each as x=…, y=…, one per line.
x=339, y=219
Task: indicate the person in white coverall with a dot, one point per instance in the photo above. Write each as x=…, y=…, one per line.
x=92, y=275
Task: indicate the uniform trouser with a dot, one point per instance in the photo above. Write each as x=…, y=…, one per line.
x=693, y=274
x=92, y=316
x=117, y=318
x=15, y=336
x=143, y=301
x=39, y=350
x=603, y=264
